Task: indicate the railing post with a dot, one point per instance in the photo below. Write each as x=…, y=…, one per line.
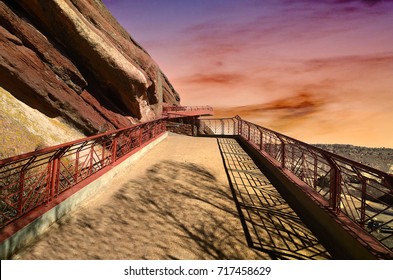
x=335, y=189
x=102, y=154
x=388, y=181
x=197, y=126
x=91, y=159
x=153, y=131
x=140, y=136
x=363, y=203
x=362, y=197
x=275, y=148
x=303, y=167
x=114, y=149
x=335, y=180
x=283, y=151
x=293, y=157
x=315, y=171
x=54, y=183
x=194, y=127
x=222, y=127
x=249, y=132
x=150, y=134
x=21, y=191
x=260, y=139
x=76, y=166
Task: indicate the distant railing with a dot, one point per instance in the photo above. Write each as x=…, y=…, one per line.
x=186, y=108
x=362, y=193
x=30, y=180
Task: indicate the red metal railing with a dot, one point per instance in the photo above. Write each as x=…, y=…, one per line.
x=361, y=193
x=186, y=108
x=30, y=180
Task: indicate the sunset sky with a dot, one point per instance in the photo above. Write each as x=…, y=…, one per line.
x=320, y=71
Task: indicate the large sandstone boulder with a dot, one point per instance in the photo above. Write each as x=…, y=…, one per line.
x=71, y=58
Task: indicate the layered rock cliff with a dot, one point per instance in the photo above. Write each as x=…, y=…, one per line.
x=70, y=60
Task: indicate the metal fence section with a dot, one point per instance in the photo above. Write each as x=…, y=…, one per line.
x=30, y=180
x=186, y=108
x=227, y=126
x=187, y=111
x=362, y=193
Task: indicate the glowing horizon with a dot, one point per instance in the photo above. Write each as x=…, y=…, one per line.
x=317, y=71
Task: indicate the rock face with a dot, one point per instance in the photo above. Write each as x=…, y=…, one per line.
x=71, y=59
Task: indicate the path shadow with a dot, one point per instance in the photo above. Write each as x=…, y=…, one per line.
x=269, y=223
x=175, y=210
x=191, y=215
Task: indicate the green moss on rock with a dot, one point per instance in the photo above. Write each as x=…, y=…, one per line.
x=24, y=129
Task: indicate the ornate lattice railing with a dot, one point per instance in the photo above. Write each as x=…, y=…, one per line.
x=362, y=193
x=186, y=108
x=30, y=180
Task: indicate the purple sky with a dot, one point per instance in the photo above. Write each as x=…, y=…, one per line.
x=320, y=71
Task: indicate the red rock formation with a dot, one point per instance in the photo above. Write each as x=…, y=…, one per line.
x=72, y=59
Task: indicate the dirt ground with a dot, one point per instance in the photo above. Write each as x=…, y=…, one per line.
x=174, y=203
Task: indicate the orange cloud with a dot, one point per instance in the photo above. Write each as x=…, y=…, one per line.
x=300, y=105
x=214, y=78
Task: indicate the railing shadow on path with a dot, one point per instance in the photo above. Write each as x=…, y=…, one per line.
x=269, y=223
x=176, y=210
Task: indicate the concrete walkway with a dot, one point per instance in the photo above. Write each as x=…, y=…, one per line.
x=177, y=203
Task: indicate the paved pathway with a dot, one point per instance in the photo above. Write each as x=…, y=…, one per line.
x=177, y=203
